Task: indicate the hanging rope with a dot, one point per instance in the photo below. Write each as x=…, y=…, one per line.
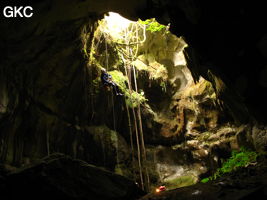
x=136, y=134
x=131, y=135
x=139, y=117
x=128, y=51
x=128, y=74
x=141, y=134
x=131, y=53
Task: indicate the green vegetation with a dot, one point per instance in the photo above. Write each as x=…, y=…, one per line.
x=205, y=180
x=119, y=78
x=163, y=86
x=133, y=99
x=85, y=51
x=238, y=159
x=152, y=25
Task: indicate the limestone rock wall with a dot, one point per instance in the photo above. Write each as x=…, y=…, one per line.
x=46, y=102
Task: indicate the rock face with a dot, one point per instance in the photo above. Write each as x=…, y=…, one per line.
x=245, y=183
x=48, y=103
x=60, y=177
x=184, y=124
x=188, y=128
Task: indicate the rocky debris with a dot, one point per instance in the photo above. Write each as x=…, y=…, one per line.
x=252, y=135
x=245, y=183
x=61, y=177
x=184, y=164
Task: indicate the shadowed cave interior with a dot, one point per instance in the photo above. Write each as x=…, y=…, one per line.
x=191, y=117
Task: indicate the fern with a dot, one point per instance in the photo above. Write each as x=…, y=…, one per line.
x=241, y=158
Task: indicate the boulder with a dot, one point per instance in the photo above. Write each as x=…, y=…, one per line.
x=60, y=177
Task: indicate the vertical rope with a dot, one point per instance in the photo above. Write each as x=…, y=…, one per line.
x=131, y=135
x=139, y=117
x=106, y=49
x=136, y=133
x=141, y=134
x=131, y=37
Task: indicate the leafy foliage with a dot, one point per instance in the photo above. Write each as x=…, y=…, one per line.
x=205, y=180
x=238, y=159
x=119, y=79
x=152, y=25
x=133, y=99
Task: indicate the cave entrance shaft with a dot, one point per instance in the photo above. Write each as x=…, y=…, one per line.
x=138, y=55
x=125, y=39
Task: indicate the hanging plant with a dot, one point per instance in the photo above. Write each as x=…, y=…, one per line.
x=152, y=25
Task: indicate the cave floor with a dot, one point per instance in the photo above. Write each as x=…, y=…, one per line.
x=244, y=183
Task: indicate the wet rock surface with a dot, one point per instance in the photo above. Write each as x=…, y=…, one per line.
x=60, y=177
